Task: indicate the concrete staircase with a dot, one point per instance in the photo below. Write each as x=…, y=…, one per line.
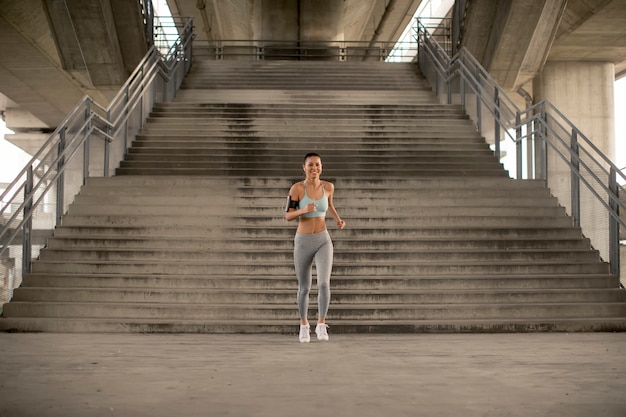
x=190, y=235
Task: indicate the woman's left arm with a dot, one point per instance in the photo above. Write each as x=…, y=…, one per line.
x=331, y=207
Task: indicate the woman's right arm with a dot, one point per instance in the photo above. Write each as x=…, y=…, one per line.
x=296, y=195
x=293, y=213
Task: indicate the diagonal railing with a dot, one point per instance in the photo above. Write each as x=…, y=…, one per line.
x=544, y=144
x=90, y=141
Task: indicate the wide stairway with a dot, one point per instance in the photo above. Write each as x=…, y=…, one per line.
x=190, y=235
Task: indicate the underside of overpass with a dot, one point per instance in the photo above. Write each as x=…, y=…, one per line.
x=53, y=52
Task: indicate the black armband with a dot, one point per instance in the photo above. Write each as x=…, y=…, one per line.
x=291, y=204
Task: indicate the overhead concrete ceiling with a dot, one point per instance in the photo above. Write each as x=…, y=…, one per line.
x=47, y=81
x=237, y=19
x=592, y=30
x=525, y=34
x=53, y=52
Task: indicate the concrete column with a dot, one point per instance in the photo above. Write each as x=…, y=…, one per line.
x=322, y=20
x=279, y=22
x=583, y=92
x=305, y=20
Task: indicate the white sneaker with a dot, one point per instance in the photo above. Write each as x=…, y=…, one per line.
x=321, y=331
x=305, y=333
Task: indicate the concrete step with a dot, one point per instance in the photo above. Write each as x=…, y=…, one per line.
x=210, y=156
x=405, y=212
x=422, y=111
x=304, y=120
x=256, y=326
x=453, y=282
x=304, y=97
x=278, y=221
x=339, y=297
x=382, y=161
x=286, y=231
x=340, y=311
x=348, y=199
x=110, y=241
x=367, y=141
x=372, y=185
x=426, y=172
x=216, y=112
x=340, y=267
x=298, y=77
x=347, y=255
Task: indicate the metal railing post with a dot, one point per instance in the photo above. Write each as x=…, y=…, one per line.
x=496, y=122
x=27, y=229
x=542, y=150
x=530, y=148
x=107, y=144
x=449, y=85
x=614, y=246
x=86, y=143
x=126, y=112
x=61, y=179
x=462, y=90
x=575, y=177
x=518, y=144
x=479, y=118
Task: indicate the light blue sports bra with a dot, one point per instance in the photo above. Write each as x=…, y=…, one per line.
x=322, y=204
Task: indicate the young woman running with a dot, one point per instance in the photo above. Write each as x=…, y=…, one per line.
x=308, y=201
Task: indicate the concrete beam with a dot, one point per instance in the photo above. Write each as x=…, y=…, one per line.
x=593, y=30
x=94, y=44
x=515, y=47
x=128, y=19
x=242, y=19
x=30, y=74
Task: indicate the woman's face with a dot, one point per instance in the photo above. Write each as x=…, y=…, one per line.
x=312, y=167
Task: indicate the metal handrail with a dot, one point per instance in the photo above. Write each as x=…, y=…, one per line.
x=157, y=77
x=541, y=127
x=268, y=49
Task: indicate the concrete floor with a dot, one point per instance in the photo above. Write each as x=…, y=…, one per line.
x=539, y=374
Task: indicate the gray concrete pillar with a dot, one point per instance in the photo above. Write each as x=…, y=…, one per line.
x=306, y=21
x=279, y=22
x=584, y=93
x=321, y=20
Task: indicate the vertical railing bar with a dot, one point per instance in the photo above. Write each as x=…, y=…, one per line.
x=518, y=144
x=543, y=149
x=614, y=246
x=530, y=149
x=462, y=90
x=143, y=75
x=479, y=90
x=60, y=203
x=86, y=142
x=449, y=85
x=27, y=228
x=496, y=122
x=575, y=177
x=107, y=144
x=125, y=132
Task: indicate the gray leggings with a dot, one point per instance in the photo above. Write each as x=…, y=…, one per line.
x=307, y=247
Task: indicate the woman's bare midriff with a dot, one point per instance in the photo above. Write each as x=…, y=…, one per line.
x=310, y=225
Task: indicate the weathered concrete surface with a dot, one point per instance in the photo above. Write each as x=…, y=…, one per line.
x=537, y=374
